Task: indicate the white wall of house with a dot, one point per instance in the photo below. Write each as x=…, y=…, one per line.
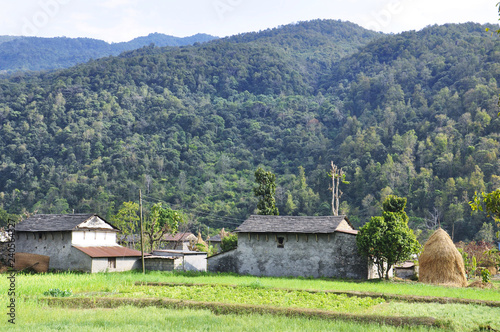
x=115, y=264
x=92, y=238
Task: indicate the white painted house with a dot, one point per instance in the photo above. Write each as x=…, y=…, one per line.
x=76, y=242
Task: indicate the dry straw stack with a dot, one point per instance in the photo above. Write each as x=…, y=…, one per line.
x=441, y=263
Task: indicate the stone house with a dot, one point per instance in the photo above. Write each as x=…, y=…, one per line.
x=215, y=241
x=76, y=242
x=294, y=246
x=179, y=241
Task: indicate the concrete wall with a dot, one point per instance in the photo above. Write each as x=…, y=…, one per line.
x=102, y=264
x=316, y=255
x=185, y=260
x=160, y=264
x=56, y=245
x=194, y=263
x=89, y=238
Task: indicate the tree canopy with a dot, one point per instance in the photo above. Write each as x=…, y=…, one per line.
x=265, y=190
x=411, y=114
x=388, y=240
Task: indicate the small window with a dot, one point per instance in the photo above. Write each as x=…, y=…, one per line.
x=281, y=242
x=111, y=262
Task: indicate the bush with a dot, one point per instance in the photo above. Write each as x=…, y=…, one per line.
x=58, y=293
x=229, y=242
x=485, y=253
x=485, y=275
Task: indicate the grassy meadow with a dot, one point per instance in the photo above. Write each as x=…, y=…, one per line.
x=299, y=294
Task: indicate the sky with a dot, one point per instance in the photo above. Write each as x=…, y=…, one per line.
x=123, y=20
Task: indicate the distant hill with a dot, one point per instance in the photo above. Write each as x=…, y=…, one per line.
x=35, y=53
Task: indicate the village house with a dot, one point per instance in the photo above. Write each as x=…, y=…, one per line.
x=179, y=241
x=215, y=241
x=76, y=242
x=294, y=246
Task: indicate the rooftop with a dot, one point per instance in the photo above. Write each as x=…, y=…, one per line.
x=112, y=251
x=294, y=224
x=63, y=222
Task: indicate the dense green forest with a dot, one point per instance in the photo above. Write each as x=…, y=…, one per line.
x=412, y=114
x=35, y=53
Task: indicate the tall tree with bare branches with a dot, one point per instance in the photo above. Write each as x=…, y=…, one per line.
x=338, y=176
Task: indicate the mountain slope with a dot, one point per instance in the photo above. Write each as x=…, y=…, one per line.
x=412, y=114
x=35, y=53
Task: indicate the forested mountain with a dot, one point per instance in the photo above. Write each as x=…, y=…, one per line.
x=35, y=53
x=413, y=114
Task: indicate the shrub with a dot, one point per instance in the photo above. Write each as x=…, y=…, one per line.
x=485, y=275
x=56, y=292
x=229, y=242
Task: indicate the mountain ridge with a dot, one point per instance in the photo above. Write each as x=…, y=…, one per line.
x=412, y=114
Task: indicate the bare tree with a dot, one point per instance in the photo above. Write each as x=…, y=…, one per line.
x=433, y=221
x=337, y=175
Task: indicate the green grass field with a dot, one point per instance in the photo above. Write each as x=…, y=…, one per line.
x=32, y=313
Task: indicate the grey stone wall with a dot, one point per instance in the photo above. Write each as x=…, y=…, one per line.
x=315, y=255
x=224, y=262
x=56, y=245
x=159, y=264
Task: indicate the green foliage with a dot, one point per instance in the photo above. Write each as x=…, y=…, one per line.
x=6, y=217
x=265, y=190
x=485, y=275
x=489, y=202
x=229, y=242
x=127, y=219
x=470, y=263
x=404, y=115
x=63, y=52
x=209, y=249
x=264, y=296
x=56, y=292
x=161, y=221
x=387, y=240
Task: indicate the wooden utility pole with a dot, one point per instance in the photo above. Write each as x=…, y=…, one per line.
x=337, y=175
x=142, y=233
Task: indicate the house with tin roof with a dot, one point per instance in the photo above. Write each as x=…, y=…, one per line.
x=75, y=242
x=294, y=246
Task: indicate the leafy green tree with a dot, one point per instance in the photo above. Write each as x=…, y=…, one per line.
x=488, y=202
x=265, y=190
x=160, y=222
x=388, y=240
x=6, y=217
x=229, y=242
x=126, y=219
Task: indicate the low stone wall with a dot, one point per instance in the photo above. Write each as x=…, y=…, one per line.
x=159, y=263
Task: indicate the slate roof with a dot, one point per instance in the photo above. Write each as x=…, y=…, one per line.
x=54, y=222
x=292, y=224
x=178, y=237
x=215, y=238
x=109, y=251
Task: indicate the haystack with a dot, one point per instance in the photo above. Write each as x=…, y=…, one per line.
x=441, y=263
x=193, y=244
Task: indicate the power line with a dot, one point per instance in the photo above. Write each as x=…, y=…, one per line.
x=210, y=215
